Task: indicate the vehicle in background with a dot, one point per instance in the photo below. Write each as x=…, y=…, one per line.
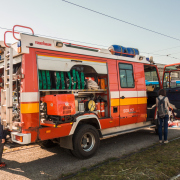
x=171, y=82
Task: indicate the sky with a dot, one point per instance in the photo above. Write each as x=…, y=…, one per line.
x=70, y=23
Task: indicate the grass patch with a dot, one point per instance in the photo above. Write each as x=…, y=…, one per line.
x=160, y=162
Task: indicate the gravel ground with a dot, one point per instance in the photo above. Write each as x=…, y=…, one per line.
x=38, y=163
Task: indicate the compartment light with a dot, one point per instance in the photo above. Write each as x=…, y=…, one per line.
x=59, y=44
x=140, y=58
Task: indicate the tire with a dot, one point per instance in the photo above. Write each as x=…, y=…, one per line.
x=85, y=141
x=47, y=144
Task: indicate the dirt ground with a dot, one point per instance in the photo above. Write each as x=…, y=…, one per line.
x=38, y=163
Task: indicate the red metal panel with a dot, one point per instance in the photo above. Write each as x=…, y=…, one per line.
x=29, y=121
x=106, y=123
x=142, y=112
x=128, y=114
x=112, y=72
x=29, y=83
x=128, y=120
x=29, y=68
x=139, y=77
x=141, y=86
x=52, y=132
x=113, y=86
x=30, y=124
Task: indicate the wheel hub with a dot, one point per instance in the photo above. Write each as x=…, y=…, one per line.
x=84, y=141
x=88, y=141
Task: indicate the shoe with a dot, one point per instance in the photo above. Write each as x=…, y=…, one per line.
x=2, y=165
x=160, y=141
x=166, y=141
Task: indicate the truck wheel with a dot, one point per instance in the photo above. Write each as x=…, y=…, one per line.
x=47, y=144
x=85, y=141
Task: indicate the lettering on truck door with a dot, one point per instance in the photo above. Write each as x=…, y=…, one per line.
x=128, y=100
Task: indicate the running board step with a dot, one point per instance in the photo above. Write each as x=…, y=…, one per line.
x=126, y=131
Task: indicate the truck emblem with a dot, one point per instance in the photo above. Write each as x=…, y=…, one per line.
x=66, y=104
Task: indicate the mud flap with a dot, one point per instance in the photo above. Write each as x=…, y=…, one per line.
x=66, y=142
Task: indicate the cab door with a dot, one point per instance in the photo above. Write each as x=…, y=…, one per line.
x=171, y=83
x=114, y=92
x=139, y=76
x=128, y=96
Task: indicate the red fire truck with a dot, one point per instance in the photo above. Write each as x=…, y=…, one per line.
x=73, y=95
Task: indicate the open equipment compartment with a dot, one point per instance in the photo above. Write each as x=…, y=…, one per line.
x=75, y=87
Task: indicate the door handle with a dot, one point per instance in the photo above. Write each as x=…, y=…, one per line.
x=122, y=97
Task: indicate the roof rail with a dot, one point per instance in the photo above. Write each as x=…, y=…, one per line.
x=5, y=37
x=22, y=27
x=82, y=46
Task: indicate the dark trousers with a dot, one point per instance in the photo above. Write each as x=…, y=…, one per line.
x=165, y=120
x=1, y=150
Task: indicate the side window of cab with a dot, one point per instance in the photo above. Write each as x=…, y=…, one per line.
x=126, y=75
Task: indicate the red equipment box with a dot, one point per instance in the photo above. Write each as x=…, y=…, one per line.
x=60, y=104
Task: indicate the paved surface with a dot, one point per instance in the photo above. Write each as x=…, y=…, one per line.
x=37, y=163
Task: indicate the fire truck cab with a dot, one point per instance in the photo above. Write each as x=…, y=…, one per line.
x=73, y=95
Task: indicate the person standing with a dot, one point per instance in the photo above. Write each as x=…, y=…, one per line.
x=2, y=142
x=162, y=103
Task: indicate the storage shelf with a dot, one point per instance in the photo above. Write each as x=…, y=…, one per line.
x=79, y=91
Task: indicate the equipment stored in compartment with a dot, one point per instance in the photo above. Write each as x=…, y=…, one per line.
x=73, y=79
x=102, y=85
x=90, y=105
x=81, y=107
x=98, y=107
x=102, y=108
x=60, y=104
x=92, y=85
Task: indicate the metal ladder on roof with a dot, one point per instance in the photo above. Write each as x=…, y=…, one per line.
x=7, y=92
